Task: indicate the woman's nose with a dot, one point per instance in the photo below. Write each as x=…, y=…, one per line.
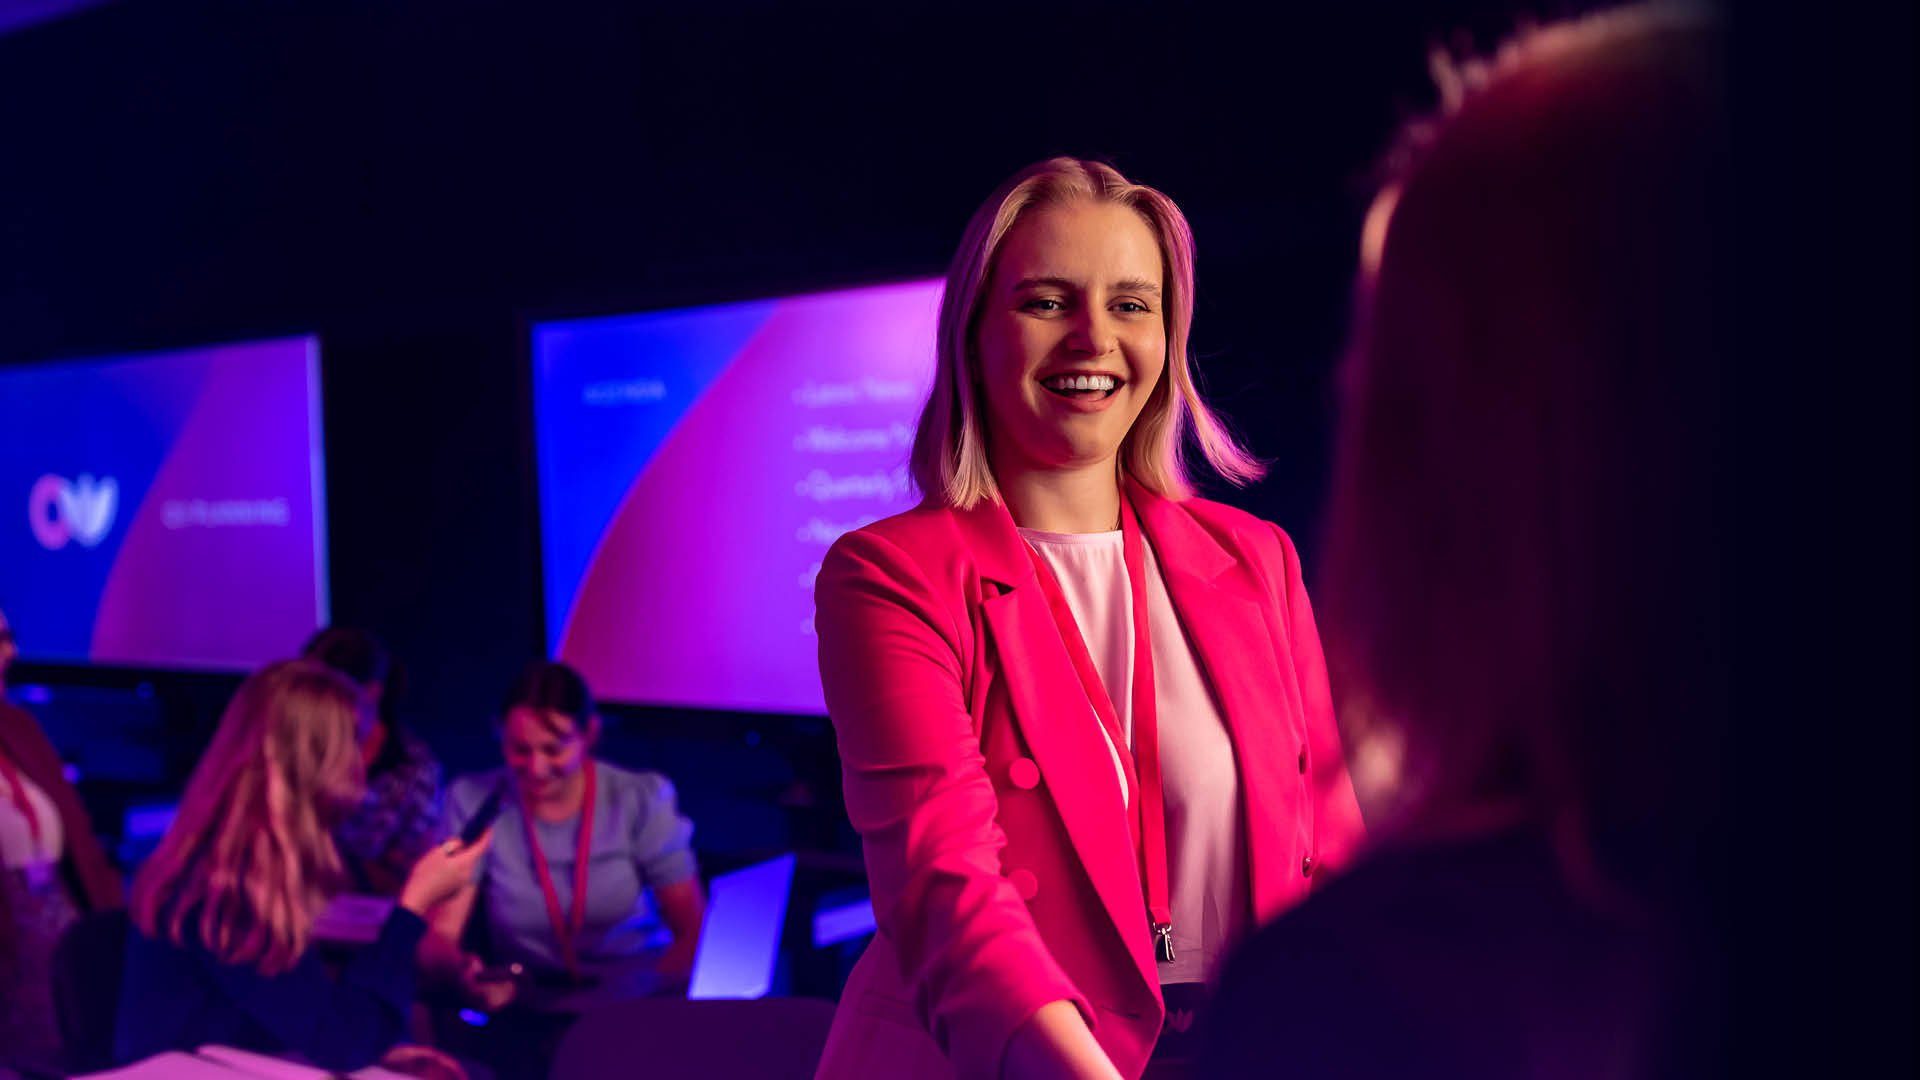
x=1093, y=334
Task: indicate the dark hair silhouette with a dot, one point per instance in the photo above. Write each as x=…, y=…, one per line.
x=1524, y=543
x=549, y=686
x=360, y=655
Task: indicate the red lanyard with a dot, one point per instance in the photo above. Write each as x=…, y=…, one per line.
x=566, y=933
x=21, y=799
x=1148, y=818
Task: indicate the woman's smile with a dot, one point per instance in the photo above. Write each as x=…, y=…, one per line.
x=1088, y=391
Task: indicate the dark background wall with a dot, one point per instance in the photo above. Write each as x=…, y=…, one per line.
x=417, y=180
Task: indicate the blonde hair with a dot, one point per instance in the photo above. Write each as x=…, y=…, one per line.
x=950, y=449
x=250, y=855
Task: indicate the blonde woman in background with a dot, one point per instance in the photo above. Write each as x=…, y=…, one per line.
x=223, y=912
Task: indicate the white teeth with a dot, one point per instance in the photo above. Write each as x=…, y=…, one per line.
x=1082, y=382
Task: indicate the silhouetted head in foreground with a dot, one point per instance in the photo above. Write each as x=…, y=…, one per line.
x=1522, y=595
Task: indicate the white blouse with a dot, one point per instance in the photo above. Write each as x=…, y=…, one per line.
x=1206, y=845
x=18, y=849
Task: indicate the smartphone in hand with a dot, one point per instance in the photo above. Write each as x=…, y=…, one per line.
x=489, y=810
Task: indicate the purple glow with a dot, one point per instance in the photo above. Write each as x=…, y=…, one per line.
x=831, y=926
x=148, y=821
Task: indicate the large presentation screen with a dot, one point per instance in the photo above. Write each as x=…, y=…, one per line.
x=695, y=464
x=167, y=508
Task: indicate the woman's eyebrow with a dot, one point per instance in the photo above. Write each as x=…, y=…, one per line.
x=1045, y=283
x=1068, y=285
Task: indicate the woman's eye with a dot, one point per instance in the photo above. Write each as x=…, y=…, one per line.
x=1131, y=307
x=1044, y=303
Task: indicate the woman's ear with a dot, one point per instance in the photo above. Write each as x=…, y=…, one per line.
x=593, y=730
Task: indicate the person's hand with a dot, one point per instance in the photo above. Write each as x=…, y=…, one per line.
x=486, y=994
x=422, y=1061
x=441, y=872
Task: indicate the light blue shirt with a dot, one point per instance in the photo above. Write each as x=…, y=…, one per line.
x=640, y=842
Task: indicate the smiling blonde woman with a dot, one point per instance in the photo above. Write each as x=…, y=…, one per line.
x=1082, y=714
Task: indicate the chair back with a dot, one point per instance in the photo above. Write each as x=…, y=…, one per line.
x=87, y=964
x=765, y=1038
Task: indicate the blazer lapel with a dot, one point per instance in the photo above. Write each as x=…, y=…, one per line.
x=1068, y=743
x=1228, y=626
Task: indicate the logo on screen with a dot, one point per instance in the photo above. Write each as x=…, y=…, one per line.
x=78, y=510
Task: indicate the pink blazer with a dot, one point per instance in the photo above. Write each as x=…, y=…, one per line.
x=999, y=887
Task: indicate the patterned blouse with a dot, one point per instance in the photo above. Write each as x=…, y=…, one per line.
x=401, y=815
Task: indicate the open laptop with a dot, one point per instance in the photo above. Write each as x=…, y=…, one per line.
x=740, y=939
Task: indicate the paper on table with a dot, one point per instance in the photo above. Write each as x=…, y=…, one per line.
x=172, y=1065
x=264, y=1067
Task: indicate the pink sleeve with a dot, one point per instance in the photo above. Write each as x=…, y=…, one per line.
x=918, y=792
x=1337, y=828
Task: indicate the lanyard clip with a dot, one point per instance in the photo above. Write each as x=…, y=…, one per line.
x=1163, y=942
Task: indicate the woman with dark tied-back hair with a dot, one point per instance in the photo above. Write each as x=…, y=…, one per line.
x=593, y=867
x=1523, y=587
x=400, y=815
x=559, y=801
x=1082, y=713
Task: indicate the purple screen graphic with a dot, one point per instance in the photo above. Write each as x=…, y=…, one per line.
x=696, y=464
x=168, y=507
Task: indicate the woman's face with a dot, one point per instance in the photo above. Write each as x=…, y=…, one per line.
x=1072, y=336
x=343, y=772
x=543, y=748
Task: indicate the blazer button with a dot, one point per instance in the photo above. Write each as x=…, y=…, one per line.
x=1024, y=883
x=1024, y=773
x=1303, y=757
x=1308, y=865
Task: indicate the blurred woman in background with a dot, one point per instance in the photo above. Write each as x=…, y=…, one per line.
x=1523, y=593
x=223, y=911
x=400, y=816
x=52, y=868
x=591, y=864
x=591, y=859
